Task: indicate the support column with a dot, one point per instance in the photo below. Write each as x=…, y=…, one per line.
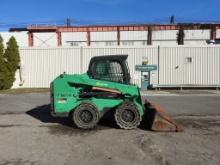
x=180, y=36
x=149, y=36
x=59, y=39
x=30, y=39
x=88, y=38
x=213, y=33
x=118, y=36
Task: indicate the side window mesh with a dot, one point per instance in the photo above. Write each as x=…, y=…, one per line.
x=108, y=70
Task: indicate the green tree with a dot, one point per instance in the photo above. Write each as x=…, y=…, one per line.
x=3, y=68
x=12, y=58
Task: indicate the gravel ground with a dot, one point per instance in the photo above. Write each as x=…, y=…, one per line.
x=29, y=135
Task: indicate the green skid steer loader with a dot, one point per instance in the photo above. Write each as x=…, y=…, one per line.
x=85, y=98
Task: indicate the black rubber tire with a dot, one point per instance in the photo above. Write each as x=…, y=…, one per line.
x=86, y=116
x=127, y=116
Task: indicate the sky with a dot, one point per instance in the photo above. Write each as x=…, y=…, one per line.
x=20, y=13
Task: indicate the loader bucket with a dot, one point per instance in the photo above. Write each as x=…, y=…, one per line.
x=157, y=120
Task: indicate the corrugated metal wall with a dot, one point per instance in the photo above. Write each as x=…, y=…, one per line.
x=181, y=66
x=41, y=65
x=178, y=66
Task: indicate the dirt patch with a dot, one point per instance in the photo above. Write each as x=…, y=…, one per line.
x=10, y=125
x=155, y=153
x=72, y=131
x=199, y=122
x=18, y=162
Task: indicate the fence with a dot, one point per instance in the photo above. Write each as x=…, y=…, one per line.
x=177, y=66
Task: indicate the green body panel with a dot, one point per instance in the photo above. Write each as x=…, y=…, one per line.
x=65, y=90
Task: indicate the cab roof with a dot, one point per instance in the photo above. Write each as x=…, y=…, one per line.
x=109, y=57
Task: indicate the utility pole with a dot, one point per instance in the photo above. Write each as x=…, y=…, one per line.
x=68, y=22
x=172, y=20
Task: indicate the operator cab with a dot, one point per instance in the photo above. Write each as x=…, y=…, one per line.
x=112, y=68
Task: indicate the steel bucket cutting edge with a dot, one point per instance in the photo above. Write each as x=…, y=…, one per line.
x=157, y=120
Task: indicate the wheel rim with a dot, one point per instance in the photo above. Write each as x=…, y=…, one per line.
x=86, y=116
x=128, y=116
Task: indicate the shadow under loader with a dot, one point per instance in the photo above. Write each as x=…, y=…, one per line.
x=154, y=119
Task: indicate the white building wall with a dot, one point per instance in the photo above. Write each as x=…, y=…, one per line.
x=21, y=38
x=164, y=35
x=133, y=35
x=169, y=37
x=45, y=39
x=197, y=34
x=74, y=38
x=128, y=38
x=196, y=37
x=103, y=36
x=218, y=33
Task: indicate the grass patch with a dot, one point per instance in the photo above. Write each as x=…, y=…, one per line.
x=25, y=90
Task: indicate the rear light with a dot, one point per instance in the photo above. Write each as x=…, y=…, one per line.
x=51, y=103
x=51, y=98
